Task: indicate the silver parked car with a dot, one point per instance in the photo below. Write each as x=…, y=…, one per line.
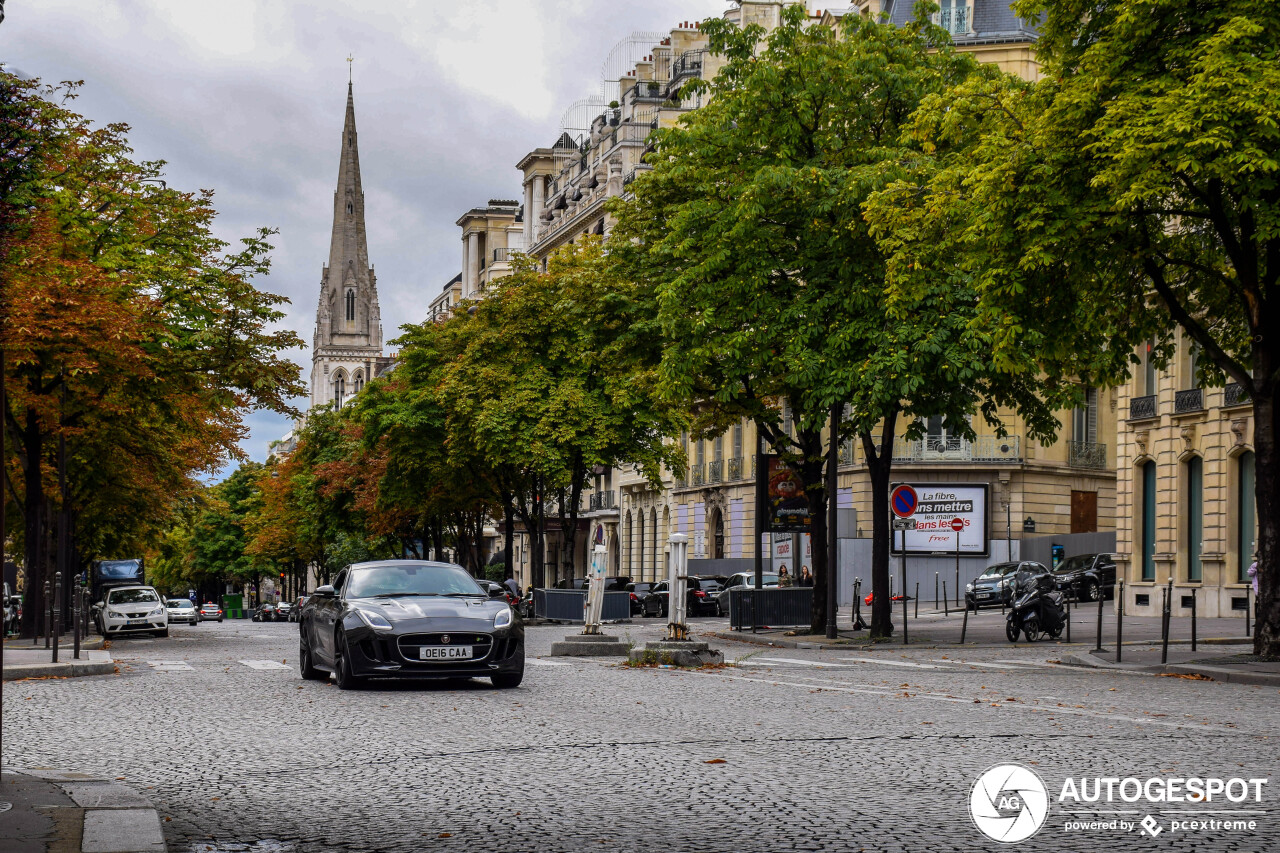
x=742, y=580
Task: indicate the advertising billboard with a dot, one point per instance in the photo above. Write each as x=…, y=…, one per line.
x=788, y=501
x=938, y=506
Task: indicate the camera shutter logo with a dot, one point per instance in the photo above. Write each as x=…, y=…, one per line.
x=1009, y=803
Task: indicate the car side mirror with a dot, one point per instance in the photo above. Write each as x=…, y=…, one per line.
x=326, y=591
x=497, y=592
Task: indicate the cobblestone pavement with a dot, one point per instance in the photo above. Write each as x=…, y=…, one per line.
x=835, y=750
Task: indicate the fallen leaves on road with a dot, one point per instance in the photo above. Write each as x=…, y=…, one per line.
x=1186, y=676
x=445, y=835
x=715, y=761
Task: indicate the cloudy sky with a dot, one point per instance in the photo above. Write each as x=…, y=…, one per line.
x=246, y=97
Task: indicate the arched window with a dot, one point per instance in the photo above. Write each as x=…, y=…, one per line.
x=339, y=390
x=351, y=208
x=1149, y=521
x=640, y=543
x=1246, y=517
x=1195, y=516
x=351, y=306
x=357, y=382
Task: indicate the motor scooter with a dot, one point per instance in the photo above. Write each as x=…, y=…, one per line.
x=1038, y=608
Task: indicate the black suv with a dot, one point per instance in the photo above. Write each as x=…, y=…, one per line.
x=1087, y=576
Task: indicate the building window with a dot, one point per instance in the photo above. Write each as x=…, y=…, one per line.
x=351, y=208
x=1195, y=516
x=351, y=306
x=339, y=390
x=954, y=16
x=737, y=440
x=1149, y=521
x=1149, y=369
x=1246, y=516
x=1084, y=420
x=358, y=382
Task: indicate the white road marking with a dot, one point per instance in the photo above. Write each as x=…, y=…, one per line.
x=170, y=666
x=798, y=661
x=264, y=664
x=983, y=663
x=537, y=662
x=895, y=663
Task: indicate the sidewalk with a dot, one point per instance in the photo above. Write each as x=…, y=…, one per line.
x=57, y=812
x=1240, y=668
x=23, y=660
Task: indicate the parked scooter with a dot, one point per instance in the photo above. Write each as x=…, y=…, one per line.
x=1038, y=608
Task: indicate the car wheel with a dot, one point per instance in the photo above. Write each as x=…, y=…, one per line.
x=508, y=680
x=1091, y=591
x=163, y=633
x=306, y=667
x=347, y=680
x=1011, y=631
x=1032, y=629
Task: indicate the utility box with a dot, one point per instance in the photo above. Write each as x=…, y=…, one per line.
x=233, y=606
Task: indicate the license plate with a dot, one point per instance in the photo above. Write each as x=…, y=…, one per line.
x=132, y=622
x=984, y=595
x=445, y=652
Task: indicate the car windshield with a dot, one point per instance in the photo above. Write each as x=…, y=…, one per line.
x=131, y=596
x=999, y=570
x=1075, y=564
x=178, y=602
x=409, y=579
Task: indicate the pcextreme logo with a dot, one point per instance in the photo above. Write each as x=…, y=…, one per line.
x=1009, y=803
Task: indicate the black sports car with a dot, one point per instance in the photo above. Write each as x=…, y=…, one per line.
x=409, y=619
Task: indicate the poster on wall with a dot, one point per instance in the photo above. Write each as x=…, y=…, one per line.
x=939, y=505
x=788, y=501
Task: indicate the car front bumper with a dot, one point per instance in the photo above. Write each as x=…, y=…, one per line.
x=121, y=626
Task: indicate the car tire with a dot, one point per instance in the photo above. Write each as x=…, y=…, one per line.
x=306, y=667
x=347, y=680
x=1091, y=591
x=508, y=680
x=163, y=633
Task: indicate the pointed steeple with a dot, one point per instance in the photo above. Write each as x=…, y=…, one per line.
x=347, y=247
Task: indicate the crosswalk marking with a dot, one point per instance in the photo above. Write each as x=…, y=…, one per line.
x=170, y=666
x=895, y=663
x=537, y=662
x=797, y=661
x=264, y=664
x=987, y=663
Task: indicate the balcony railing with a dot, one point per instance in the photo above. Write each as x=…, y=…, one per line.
x=1141, y=408
x=1190, y=400
x=602, y=500
x=715, y=471
x=697, y=475
x=1234, y=395
x=505, y=254
x=734, y=469
x=985, y=448
x=1086, y=454
x=688, y=65
x=954, y=20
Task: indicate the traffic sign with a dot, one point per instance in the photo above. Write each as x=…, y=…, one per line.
x=903, y=501
x=904, y=524
x=957, y=524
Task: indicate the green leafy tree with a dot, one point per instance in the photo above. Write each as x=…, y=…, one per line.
x=1131, y=191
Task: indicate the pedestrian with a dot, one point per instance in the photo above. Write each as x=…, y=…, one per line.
x=1253, y=573
x=806, y=577
x=784, y=578
x=513, y=586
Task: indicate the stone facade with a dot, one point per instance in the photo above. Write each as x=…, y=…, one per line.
x=1185, y=489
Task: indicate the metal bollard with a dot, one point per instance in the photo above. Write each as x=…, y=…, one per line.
x=1068, y=619
x=917, y=613
x=47, y=615
x=1194, y=597
x=57, y=611
x=677, y=629
x=76, y=602
x=1164, y=623
x=964, y=625
x=946, y=602
x=1102, y=597
x=1120, y=621
x=935, y=590
x=1247, y=630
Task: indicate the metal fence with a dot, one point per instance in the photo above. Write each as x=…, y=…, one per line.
x=570, y=605
x=772, y=607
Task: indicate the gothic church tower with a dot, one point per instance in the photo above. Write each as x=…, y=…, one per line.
x=347, y=347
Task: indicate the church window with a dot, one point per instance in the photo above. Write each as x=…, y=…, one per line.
x=339, y=390
x=351, y=208
x=358, y=382
x=351, y=306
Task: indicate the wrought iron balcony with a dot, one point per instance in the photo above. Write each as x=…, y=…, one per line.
x=715, y=471
x=985, y=448
x=1234, y=395
x=1190, y=400
x=688, y=65
x=602, y=500
x=697, y=475
x=1086, y=454
x=734, y=470
x=1141, y=408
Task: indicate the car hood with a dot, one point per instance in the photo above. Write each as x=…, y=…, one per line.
x=408, y=610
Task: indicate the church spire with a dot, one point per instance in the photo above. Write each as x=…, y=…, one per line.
x=347, y=247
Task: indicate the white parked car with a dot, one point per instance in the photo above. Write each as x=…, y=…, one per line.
x=133, y=610
x=182, y=610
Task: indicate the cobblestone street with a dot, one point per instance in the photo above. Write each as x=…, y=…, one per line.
x=841, y=750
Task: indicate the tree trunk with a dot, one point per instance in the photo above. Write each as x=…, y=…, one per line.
x=879, y=469
x=33, y=602
x=508, y=536
x=812, y=469
x=1266, y=637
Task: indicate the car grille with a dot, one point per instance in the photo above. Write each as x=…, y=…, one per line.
x=409, y=645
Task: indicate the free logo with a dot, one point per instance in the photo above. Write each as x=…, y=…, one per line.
x=1009, y=803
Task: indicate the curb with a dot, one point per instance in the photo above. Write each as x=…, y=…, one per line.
x=1217, y=673
x=115, y=818
x=103, y=665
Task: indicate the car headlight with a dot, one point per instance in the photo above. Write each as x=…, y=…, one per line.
x=376, y=621
x=503, y=619
x=968, y=587
x=156, y=612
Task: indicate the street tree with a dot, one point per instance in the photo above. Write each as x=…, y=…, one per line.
x=1131, y=191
